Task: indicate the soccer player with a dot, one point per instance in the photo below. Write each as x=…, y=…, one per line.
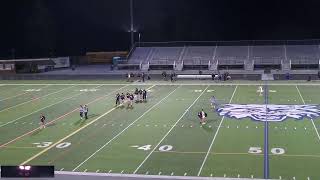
x=85, y=110
x=144, y=95
x=213, y=102
x=122, y=97
x=131, y=98
x=202, y=117
x=260, y=90
x=81, y=112
x=140, y=95
x=42, y=123
x=117, y=99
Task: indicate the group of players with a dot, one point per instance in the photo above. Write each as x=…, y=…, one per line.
x=139, y=95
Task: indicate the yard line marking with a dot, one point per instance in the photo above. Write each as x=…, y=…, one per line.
x=50, y=122
x=315, y=128
x=39, y=110
x=14, y=96
x=155, y=105
x=205, y=158
x=185, y=112
x=71, y=134
x=35, y=99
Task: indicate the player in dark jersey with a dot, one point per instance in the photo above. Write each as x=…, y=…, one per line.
x=122, y=97
x=144, y=95
x=131, y=98
x=42, y=121
x=85, y=111
x=117, y=99
x=202, y=117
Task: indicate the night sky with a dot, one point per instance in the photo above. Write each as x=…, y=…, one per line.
x=42, y=28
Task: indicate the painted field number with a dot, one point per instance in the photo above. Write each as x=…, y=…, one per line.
x=258, y=150
x=47, y=144
x=162, y=148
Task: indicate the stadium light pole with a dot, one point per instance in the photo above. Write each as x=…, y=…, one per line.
x=131, y=20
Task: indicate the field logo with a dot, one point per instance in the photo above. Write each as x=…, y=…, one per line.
x=270, y=112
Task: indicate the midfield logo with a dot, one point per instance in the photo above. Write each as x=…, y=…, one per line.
x=270, y=112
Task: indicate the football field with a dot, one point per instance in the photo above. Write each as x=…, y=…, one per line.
x=271, y=134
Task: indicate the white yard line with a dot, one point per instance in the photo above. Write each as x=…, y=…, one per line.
x=44, y=108
x=215, y=135
x=14, y=96
x=185, y=112
x=71, y=134
x=124, y=129
x=36, y=98
x=315, y=128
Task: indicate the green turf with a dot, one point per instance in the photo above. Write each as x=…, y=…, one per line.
x=159, y=136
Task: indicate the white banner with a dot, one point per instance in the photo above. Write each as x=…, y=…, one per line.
x=61, y=62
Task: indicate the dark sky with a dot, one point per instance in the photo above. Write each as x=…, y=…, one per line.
x=34, y=28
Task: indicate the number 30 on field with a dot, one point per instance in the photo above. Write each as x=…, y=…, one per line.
x=47, y=144
x=258, y=150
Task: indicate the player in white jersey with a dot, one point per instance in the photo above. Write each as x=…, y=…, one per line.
x=260, y=90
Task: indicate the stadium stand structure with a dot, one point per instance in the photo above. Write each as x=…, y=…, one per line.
x=249, y=57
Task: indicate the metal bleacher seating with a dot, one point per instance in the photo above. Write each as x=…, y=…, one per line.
x=303, y=54
x=217, y=56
